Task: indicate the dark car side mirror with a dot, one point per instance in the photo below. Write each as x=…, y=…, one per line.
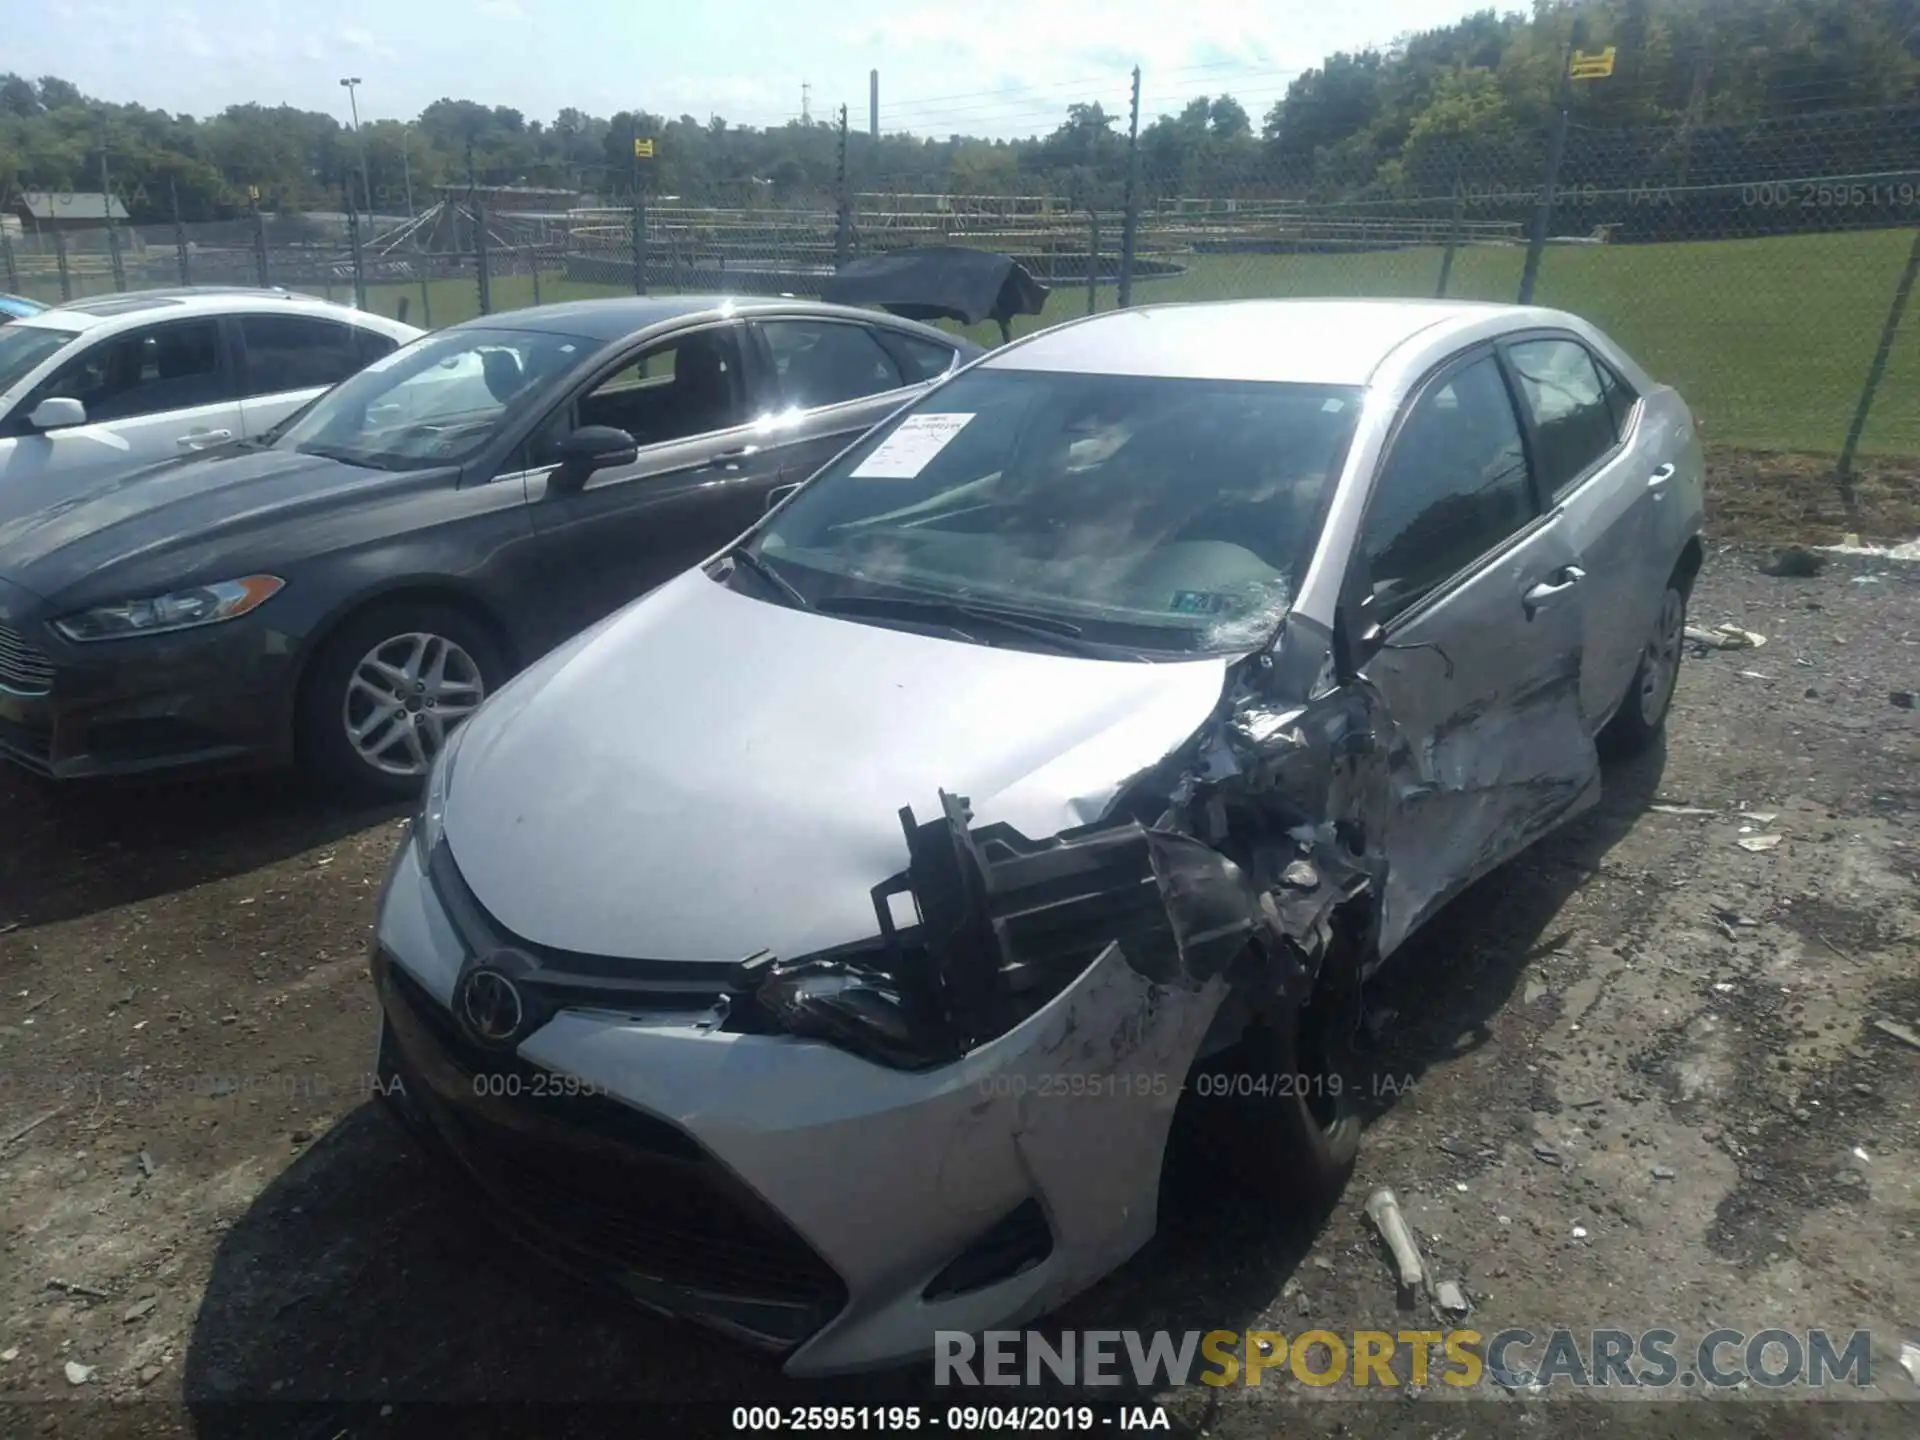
x=780, y=492
x=591, y=448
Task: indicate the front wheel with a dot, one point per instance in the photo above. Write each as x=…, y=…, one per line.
x=387, y=689
x=1650, y=694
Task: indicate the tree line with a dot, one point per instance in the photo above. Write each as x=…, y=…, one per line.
x=1428, y=114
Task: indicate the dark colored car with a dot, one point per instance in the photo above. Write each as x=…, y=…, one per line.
x=346, y=589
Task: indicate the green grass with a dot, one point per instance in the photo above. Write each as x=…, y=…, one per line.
x=1770, y=339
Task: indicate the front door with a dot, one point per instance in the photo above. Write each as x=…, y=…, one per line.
x=701, y=476
x=1478, y=593
x=150, y=394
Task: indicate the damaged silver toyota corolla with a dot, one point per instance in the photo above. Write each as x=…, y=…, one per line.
x=818, y=947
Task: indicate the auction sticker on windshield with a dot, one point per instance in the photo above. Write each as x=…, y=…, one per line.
x=911, y=447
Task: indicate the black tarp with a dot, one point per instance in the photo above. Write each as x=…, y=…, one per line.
x=941, y=282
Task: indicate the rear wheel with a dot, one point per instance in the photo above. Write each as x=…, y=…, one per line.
x=387, y=689
x=1650, y=694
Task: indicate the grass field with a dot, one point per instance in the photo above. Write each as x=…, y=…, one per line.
x=1769, y=339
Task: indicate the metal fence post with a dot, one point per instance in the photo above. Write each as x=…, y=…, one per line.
x=426, y=304
x=482, y=260
x=1093, y=261
x=60, y=259
x=6, y=255
x=640, y=240
x=533, y=262
x=1877, y=371
x=843, y=200
x=1556, y=150
x=259, y=242
x=179, y=233
x=353, y=244
x=1453, y=235
x=1130, y=227
x=113, y=231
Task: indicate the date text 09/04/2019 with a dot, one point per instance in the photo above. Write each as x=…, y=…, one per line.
x=1206, y=1084
x=954, y=1419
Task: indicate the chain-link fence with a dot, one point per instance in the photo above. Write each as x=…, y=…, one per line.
x=1762, y=266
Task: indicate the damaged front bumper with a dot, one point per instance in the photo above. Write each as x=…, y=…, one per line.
x=850, y=1210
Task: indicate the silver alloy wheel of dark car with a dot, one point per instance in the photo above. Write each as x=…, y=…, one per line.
x=405, y=696
x=1660, y=665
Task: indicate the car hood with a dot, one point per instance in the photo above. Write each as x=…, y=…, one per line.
x=162, y=523
x=707, y=775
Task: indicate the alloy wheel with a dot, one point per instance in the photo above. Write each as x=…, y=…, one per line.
x=405, y=697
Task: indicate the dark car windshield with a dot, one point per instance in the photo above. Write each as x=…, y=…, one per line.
x=434, y=402
x=1152, y=513
x=24, y=346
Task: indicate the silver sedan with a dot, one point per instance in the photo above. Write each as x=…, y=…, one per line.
x=830, y=945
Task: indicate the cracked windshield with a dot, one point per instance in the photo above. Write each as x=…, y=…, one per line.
x=1162, y=513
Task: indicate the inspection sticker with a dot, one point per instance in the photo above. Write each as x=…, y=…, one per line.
x=911, y=447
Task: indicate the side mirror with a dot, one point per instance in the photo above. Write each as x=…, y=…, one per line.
x=57, y=412
x=780, y=492
x=591, y=448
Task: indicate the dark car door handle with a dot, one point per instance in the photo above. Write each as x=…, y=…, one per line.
x=1660, y=476
x=1558, y=583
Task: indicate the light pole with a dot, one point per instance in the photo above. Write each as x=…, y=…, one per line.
x=359, y=140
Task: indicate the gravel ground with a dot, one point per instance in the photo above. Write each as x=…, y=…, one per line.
x=1632, y=1079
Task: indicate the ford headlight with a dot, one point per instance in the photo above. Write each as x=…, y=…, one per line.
x=176, y=610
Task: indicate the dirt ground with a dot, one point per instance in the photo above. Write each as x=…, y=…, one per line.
x=1782, y=498
x=1633, y=1079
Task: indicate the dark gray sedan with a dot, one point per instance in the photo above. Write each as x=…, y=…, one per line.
x=349, y=587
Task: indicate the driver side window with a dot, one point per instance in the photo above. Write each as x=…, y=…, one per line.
x=680, y=388
x=1454, y=486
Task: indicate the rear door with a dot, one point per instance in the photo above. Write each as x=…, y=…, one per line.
x=150, y=393
x=1477, y=587
x=1588, y=452
x=700, y=478
x=838, y=378
x=286, y=360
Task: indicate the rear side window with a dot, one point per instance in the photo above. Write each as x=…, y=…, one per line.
x=919, y=359
x=824, y=362
x=1620, y=396
x=1575, y=422
x=370, y=345
x=297, y=352
x=1454, y=486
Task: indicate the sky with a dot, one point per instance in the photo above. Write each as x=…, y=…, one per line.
x=983, y=67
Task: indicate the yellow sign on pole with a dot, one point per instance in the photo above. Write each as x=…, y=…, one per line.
x=643, y=149
x=1595, y=66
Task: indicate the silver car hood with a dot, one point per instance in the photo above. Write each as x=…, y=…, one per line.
x=707, y=775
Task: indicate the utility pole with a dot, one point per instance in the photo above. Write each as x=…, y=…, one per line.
x=1556, y=152
x=843, y=228
x=351, y=84
x=873, y=106
x=113, y=234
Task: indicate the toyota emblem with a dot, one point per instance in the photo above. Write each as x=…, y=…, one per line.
x=490, y=1007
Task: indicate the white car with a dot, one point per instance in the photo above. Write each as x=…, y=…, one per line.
x=121, y=381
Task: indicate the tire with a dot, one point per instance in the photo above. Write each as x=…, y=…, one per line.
x=376, y=673
x=1643, y=710
x=1278, y=1113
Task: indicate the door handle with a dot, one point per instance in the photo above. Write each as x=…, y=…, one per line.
x=1660, y=476
x=200, y=439
x=1558, y=583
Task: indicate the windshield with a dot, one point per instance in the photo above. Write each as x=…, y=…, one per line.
x=1151, y=513
x=23, y=347
x=434, y=402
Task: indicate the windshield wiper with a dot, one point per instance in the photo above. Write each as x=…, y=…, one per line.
x=1061, y=634
x=766, y=572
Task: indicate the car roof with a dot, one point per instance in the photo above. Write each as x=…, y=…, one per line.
x=140, y=307
x=615, y=316
x=1322, y=342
